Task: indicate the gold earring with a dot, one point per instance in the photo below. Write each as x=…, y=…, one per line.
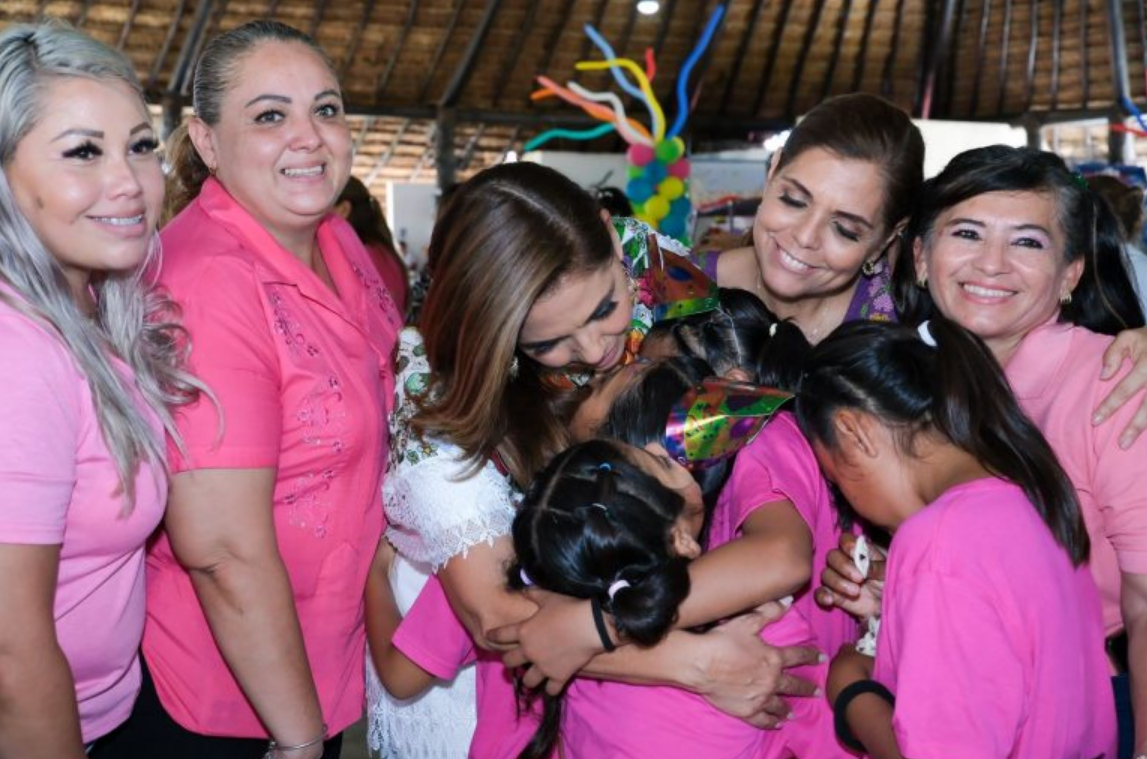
x=1065, y=300
x=868, y=268
x=922, y=282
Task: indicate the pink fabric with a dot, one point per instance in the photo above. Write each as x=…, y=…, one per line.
x=392, y=272
x=1055, y=376
x=601, y=719
x=58, y=486
x=599, y=716
x=433, y=638
x=990, y=639
x=305, y=383
x=779, y=465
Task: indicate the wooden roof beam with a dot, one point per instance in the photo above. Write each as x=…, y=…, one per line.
x=511, y=62
x=798, y=70
x=771, y=60
x=886, y=87
x=1056, y=28
x=1033, y=46
x=384, y=157
x=127, y=24
x=356, y=39
x=189, y=50
x=981, y=49
x=834, y=60
x=1006, y=38
x=465, y=66
x=742, y=51
x=935, y=54
x=172, y=30
x=396, y=49
x=865, y=36
x=428, y=80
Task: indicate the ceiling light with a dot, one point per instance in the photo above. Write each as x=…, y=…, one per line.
x=511, y=157
x=648, y=7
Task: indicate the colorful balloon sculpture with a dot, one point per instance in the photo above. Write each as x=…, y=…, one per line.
x=658, y=173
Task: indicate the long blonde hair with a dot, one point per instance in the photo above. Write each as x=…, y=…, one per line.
x=136, y=321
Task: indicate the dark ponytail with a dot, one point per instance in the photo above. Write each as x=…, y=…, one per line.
x=742, y=334
x=593, y=519
x=1104, y=301
x=955, y=389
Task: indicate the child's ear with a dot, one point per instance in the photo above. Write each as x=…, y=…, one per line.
x=684, y=544
x=855, y=434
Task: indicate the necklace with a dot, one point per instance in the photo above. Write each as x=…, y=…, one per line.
x=824, y=317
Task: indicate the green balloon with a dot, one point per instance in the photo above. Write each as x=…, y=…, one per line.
x=668, y=151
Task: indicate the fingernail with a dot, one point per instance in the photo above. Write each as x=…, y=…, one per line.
x=818, y=693
x=1126, y=441
x=786, y=602
x=1096, y=419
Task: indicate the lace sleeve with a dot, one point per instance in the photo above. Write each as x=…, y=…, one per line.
x=435, y=511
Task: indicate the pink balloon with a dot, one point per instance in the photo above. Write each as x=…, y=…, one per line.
x=679, y=169
x=639, y=154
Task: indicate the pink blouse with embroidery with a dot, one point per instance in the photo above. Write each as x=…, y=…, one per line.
x=304, y=380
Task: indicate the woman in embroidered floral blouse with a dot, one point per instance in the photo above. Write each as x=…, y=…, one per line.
x=254, y=620
x=533, y=291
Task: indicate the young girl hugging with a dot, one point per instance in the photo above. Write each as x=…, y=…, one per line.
x=618, y=525
x=774, y=514
x=991, y=641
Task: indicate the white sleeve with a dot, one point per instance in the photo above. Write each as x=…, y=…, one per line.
x=437, y=508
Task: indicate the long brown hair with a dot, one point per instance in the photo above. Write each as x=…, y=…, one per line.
x=507, y=237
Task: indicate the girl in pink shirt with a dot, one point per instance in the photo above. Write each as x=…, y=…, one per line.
x=619, y=525
x=990, y=642
x=89, y=365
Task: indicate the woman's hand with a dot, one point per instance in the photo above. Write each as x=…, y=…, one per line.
x=844, y=587
x=744, y=677
x=1128, y=345
x=555, y=643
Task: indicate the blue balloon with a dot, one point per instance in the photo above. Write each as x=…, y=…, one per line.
x=639, y=190
x=656, y=171
x=680, y=207
x=673, y=226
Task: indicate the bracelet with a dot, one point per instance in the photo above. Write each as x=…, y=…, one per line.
x=273, y=746
x=599, y=623
x=839, y=709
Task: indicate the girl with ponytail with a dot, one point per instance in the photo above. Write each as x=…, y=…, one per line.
x=990, y=642
x=618, y=525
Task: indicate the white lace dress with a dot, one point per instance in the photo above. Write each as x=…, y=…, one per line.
x=433, y=512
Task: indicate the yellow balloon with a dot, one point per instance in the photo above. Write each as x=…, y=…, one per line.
x=672, y=188
x=657, y=207
x=646, y=219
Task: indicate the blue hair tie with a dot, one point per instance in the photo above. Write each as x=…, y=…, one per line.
x=604, y=467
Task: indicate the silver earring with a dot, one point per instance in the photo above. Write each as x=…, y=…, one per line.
x=514, y=367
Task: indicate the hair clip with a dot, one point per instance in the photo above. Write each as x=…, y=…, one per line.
x=617, y=586
x=1080, y=180
x=525, y=578
x=926, y=334
x=773, y=329
x=604, y=467
x=602, y=506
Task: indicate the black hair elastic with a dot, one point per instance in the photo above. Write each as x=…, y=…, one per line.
x=599, y=623
x=840, y=708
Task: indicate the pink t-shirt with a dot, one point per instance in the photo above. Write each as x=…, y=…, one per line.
x=1055, y=376
x=433, y=637
x=304, y=381
x=58, y=486
x=393, y=273
x=778, y=465
x=990, y=639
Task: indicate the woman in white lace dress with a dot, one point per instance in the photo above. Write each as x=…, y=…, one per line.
x=532, y=291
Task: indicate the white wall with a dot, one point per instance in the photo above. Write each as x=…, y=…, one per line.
x=587, y=169
x=410, y=211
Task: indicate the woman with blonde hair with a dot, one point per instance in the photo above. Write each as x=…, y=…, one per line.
x=91, y=362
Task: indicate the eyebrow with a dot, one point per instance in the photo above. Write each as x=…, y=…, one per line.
x=857, y=218
x=287, y=100
x=96, y=134
x=555, y=340
x=1016, y=228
